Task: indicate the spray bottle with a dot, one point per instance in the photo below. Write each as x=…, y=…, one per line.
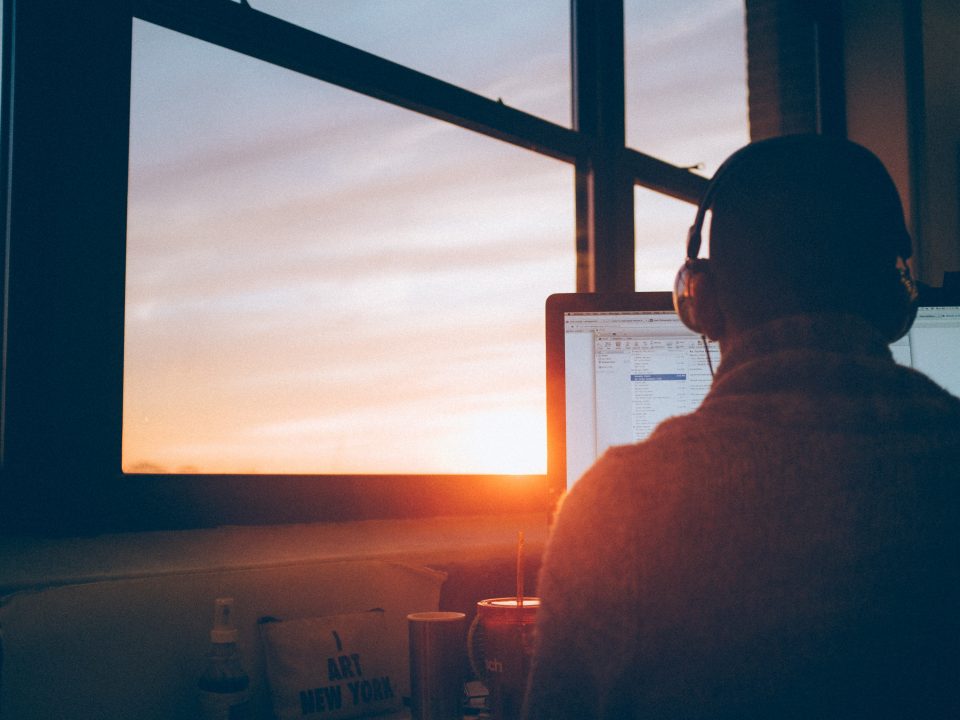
x=224, y=685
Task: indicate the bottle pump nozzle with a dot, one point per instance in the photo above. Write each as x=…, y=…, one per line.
x=223, y=630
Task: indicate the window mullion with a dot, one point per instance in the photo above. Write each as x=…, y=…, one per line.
x=604, y=179
x=250, y=32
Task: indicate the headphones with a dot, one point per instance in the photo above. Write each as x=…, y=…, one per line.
x=694, y=291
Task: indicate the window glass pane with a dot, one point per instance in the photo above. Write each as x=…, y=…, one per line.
x=661, y=238
x=686, y=67
x=502, y=49
x=319, y=282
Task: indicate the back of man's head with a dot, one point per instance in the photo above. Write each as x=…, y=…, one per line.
x=806, y=224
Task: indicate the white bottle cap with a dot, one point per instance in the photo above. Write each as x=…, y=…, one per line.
x=223, y=630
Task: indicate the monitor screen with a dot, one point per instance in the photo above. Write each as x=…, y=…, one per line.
x=616, y=366
x=619, y=364
x=933, y=345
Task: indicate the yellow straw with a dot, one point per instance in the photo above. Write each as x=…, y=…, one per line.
x=520, y=568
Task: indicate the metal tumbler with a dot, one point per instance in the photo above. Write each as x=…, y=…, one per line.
x=437, y=659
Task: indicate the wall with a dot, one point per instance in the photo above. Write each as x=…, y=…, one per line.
x=903, y=102
x=900, y=98
x=940, y=205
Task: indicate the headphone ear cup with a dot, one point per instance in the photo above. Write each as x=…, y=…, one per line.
x=683, y=300
x=904, y=307
x=694, y=298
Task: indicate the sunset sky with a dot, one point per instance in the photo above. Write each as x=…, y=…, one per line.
x=321, y=282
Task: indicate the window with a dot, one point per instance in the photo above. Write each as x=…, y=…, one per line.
x=661, y=226
x=518, y=53
x=185, y=201
x=288, y=249
x=686, y=80
x=686, y=100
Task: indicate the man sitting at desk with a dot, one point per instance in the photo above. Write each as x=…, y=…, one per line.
x=792, y=548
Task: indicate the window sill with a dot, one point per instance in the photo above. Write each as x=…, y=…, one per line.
x=27, y=563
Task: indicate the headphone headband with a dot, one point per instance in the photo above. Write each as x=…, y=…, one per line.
x=695, y=233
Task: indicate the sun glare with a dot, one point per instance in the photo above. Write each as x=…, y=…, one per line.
x=507, y=442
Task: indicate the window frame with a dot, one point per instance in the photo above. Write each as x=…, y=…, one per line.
x=66, y=104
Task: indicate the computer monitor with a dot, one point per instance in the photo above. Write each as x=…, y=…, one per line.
x=618, y=364
x=933, y=345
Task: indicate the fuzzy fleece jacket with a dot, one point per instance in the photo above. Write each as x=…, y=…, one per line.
x=791, y=549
